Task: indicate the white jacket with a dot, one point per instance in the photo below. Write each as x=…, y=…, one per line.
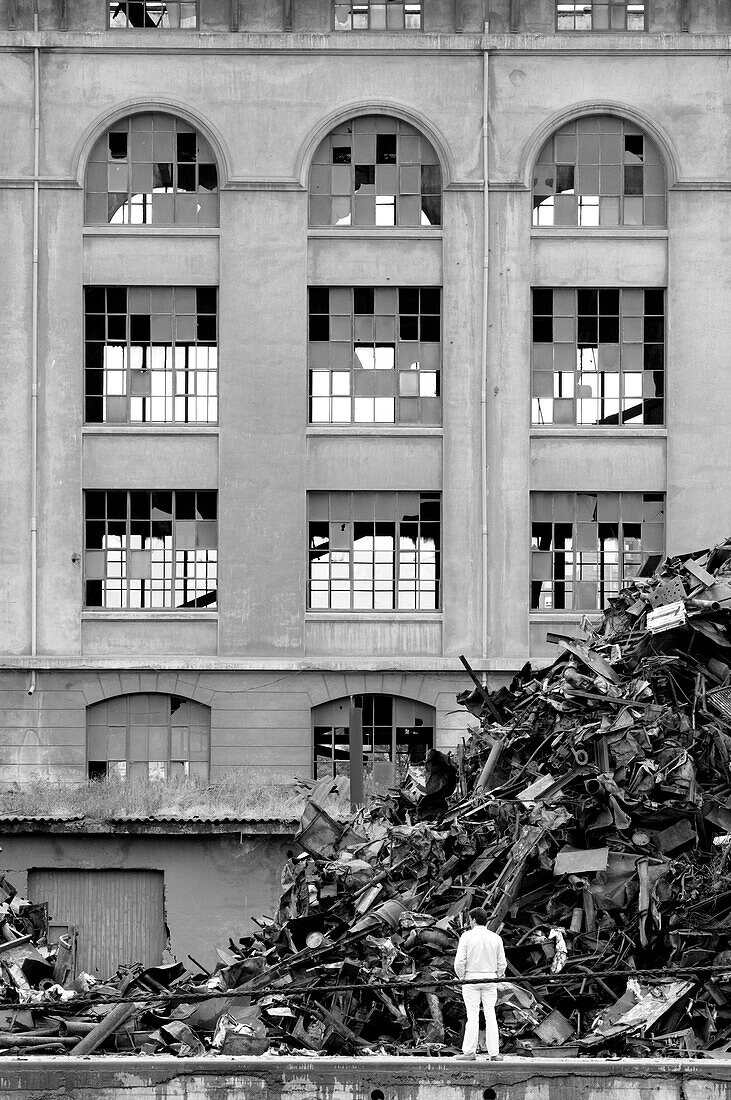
x=480, y=954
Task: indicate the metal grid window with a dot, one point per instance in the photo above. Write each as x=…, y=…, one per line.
x=601, y=15
x=148, y=736
x=391, y=15
x=397, y=734
x=598, y=356
x=374, y=551
x=374, y=355
x=151, y=355
x=150, y=549
x=586, y=546
x=375, y=171
x=599, y=171
x=151, y=169
x=148, y=14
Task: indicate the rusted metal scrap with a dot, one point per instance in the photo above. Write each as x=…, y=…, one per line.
x=589, y=812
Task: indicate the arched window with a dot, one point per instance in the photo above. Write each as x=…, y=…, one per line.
x=148, y=736
x=599, y=171
x=151, y=169
x=375, y=170
x=397, y=733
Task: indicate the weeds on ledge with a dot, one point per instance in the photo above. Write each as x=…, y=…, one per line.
x=229, y=795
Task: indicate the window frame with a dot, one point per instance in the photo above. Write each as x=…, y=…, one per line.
x=348, y=509
x=369, y=384
x=128, y=772
x=628, y=507
x=370, y=753
x=371, y=153
x=605, y=169
x=143, y=176
x=118, y=563
x=368, y=5
x=603, y=368
x=147, y=350
x=610, y=5
x=154, y=26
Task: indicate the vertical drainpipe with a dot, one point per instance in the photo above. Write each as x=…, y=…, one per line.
x=34, y=353
x=483, y=350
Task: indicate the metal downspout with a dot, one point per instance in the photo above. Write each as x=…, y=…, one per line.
x=483, y=350
x=34, y=353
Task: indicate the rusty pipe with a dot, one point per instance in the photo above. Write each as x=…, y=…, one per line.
x=117, y=1016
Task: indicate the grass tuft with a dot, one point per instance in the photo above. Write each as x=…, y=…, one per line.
x=230, y=795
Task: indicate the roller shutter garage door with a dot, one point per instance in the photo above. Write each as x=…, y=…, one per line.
x=120, y=915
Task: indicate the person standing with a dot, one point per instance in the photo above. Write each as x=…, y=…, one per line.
x=480, y=954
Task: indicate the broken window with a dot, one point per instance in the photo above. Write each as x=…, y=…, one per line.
x=601, y=15
x=148, y=736
x=151, y=169
x=150, y=549
x=375, y=355
x=150, y=355
x=374, y=551
x=165, y=14
x=375, y=170
x=599, y=171
x=377, y=15
x=397, y=734
x=598, y=356
x=586, y=546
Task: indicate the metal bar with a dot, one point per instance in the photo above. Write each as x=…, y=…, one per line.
x=355, y=748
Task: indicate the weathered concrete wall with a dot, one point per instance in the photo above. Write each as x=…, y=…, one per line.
x=214, y=885
x=534, y=16
x=260, y=720
x=265, y=100
x=103, y=1078
x=683, y=458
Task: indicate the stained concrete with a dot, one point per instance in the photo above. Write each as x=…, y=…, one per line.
x=215, y=885
x=265, y=100
x=217, y=1078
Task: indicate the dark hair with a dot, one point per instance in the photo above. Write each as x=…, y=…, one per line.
x=479, y=916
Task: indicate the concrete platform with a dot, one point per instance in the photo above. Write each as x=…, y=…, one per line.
x=216, y=1078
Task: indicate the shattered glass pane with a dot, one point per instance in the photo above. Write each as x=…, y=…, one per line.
x=382, y=563
x=372, y=181
x=609, y=551
x=410, y=318
x=610, y=159
x=148, y=157
x=614, y=340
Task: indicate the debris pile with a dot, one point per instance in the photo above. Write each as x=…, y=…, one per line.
x=589, y=813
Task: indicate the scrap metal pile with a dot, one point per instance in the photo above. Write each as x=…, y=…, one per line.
x=589, y=813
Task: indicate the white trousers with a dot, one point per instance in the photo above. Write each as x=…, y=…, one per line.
x=473, y=995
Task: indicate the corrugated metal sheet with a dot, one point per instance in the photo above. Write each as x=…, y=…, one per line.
x=213, y=819
x=14, y=818
x=181, y=819
x=120, y=915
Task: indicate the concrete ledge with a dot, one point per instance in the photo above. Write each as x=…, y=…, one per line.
x=146, y=827
x=216, y=1078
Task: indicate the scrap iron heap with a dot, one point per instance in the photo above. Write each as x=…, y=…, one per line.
x=589, y=812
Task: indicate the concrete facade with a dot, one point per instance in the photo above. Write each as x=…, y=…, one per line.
x=220, y=1078
x=265, y=85
x=216, y=879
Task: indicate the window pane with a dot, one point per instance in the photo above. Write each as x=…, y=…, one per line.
x=381, y=553
x=139, y=554
x=388, y=174
x=387, y=343
x=592, y=371
x=153, y=736
x=153, y=161
x=580, y=182
x=611, y=545
x=150, y=343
